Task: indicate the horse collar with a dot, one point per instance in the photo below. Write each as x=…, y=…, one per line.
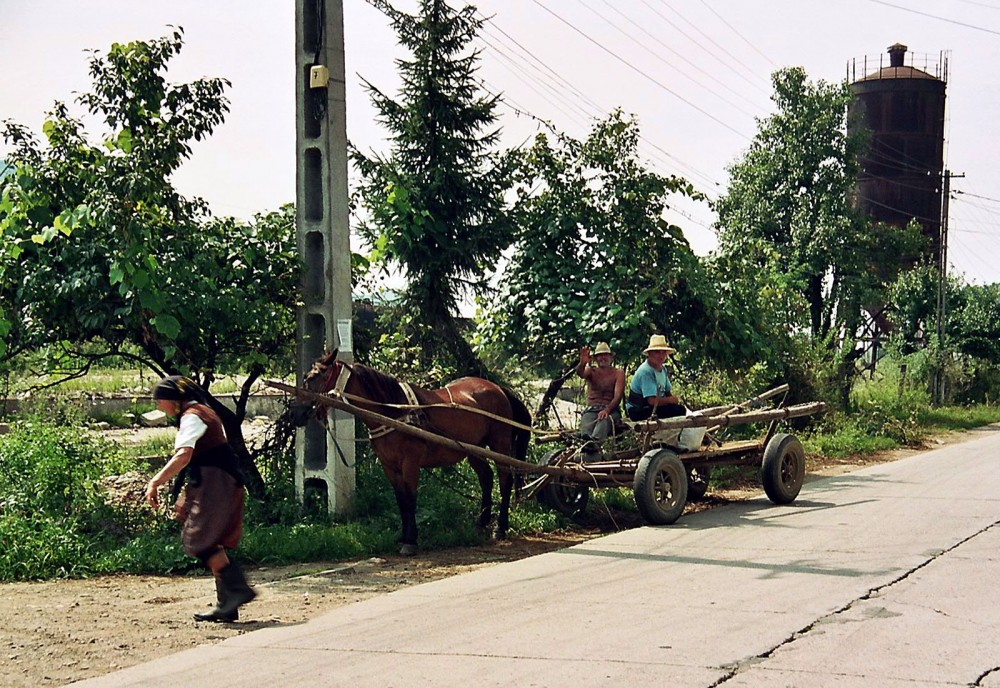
x=340, y=377
x=411, y=398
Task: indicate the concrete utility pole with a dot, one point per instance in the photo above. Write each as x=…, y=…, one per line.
x=324, y=460
x=942, y=295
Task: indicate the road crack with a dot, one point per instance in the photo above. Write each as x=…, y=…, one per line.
x=736, y=668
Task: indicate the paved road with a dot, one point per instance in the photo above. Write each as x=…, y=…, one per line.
x=884, y=577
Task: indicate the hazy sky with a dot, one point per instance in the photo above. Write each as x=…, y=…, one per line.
x=695, y=72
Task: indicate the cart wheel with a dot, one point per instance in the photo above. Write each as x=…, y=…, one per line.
x=698, y=483
x=783, y=468
x=660, y=487
x=565, y=498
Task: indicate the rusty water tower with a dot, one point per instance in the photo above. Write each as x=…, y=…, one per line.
x=902, y=104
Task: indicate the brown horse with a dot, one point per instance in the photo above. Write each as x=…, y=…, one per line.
x=403, y=455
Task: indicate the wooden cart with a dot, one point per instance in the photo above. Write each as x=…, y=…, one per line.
x=664, y=474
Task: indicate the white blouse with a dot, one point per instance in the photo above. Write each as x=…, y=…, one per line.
x=191, y=430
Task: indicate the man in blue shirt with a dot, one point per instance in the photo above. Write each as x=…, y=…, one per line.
x=650, y=389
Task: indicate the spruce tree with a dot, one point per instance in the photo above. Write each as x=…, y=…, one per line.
x=434, y=205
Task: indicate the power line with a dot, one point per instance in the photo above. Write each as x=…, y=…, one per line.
x=735, y=60
x=984, y=198
x=642, y=73
x=934, y=16
x=573, y=91
x=706, y=73
x=744, y=38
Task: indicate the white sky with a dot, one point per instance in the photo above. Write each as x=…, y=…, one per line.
x=695, y=72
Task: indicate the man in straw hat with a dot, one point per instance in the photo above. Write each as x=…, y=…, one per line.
x=650, y=389
x=605, y=388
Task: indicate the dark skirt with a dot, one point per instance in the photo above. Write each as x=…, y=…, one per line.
x=214, y=512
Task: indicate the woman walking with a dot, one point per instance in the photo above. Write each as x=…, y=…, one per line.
x=211, y=503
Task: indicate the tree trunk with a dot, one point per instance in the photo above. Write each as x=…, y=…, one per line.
x=233, y=425
x=550, y=393
x=814, y=294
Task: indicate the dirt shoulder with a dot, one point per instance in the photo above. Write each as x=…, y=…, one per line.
x=57, y=632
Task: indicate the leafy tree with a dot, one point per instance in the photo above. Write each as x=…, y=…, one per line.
x=977, y=321
x=788, y=214
x=596, y=260
x=98, y=246
x=435, y=203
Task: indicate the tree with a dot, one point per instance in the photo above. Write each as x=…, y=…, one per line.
x=100, y=249
x=435, y=204
x=596, y=260
x=788, y=213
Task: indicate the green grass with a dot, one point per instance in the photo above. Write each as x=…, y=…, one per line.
x=107, y=382
x=956, y=418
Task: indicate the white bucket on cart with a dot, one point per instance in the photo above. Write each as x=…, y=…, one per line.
x=686, y=439
x=691, y=438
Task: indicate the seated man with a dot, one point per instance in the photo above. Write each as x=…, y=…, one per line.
x=605, y=388
x=650, y=390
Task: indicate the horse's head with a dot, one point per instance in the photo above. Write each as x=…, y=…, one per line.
x=321, y=378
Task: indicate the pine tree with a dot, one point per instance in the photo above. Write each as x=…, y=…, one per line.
x=434, y=205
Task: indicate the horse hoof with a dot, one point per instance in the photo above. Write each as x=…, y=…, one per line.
x=408, y=550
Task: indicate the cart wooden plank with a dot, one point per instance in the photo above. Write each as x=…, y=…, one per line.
x=337, y=403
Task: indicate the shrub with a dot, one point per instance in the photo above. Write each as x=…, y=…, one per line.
x=53, y=513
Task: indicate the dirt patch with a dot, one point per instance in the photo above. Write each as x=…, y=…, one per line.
x=57, y=632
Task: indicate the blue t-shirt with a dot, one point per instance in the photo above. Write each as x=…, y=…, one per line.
x=648, y=382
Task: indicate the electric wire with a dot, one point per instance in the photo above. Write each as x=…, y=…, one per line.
x=671, y=160
x=642, y=73
x=757, y=85
x=742, y=37
x=934, y=16
x=681, y=57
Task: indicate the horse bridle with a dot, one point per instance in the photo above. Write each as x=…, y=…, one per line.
x=339, y=372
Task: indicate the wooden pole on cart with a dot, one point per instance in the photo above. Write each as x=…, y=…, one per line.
x=332, y=401
x=732, y=419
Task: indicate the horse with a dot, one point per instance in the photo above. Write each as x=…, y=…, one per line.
x=443, y=412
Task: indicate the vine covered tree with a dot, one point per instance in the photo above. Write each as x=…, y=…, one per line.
x=434, y=204
x=596, y=260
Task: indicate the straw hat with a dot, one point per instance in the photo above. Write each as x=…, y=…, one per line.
x=602, y=348
x=658, y=342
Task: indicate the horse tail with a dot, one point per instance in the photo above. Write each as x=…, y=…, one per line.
x=520, y=415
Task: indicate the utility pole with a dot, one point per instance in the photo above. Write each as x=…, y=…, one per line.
x=942, y=295
x=324, y=460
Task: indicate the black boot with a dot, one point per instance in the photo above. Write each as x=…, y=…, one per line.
x=216, y=614
x=235, y=588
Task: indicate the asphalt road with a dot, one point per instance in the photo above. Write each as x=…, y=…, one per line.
x=883, y=577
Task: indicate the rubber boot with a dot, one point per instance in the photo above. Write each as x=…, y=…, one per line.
x=235, y=588
x=216, y=614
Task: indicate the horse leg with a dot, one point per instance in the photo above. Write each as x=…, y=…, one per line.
x=485, y=475
x=406, y=499
x=506, y=478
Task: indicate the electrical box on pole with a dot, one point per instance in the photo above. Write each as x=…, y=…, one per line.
x=324, y=461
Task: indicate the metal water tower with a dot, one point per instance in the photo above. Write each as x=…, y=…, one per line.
x=902, y=103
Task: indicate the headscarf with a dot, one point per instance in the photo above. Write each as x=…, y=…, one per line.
x=178, y=388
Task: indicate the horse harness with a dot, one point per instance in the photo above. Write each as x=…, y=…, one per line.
x=415, y=416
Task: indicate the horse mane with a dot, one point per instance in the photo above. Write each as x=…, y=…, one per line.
x=383, y=388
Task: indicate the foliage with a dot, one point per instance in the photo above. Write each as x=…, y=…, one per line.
x=975, y=323
x=967, y=360
x=86, y=226
x=595, y=259
x=102, y=257
x=788, y=225
x=435, y=203
x=53, y=513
